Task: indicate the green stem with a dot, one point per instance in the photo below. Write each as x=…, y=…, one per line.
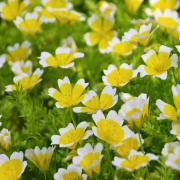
x=109, y=159
x=45, y=176
x=142, y=149
x=72, y=117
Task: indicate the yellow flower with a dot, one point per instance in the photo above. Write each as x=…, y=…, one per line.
x=175, y=32
x=63, y=58
x=173, y=159
x=121, y=47
x=68, y=95
x=133, y=5
x=72, y=172
x=134, y=161
x=163, y=5
x=169, y=148
x=101, y=33
x=141, y=37
x=12, y=169
x=92, y=102
x=41, y=158
x=158, y=64
x=176, y=129
x=25, y=81
x=65, y=16
x=125, y=147
x=70, y=136
x=30, y=24
x=125, y=97
x=167, y=110
x=106, y=8
x=12, y=8
x=89, y=158
x=5, y=139
x=168, y=20
x=18, y=52
x=118, y=76
x=110, y=129
x=70, y=43
x=135, y=110
x=21, y=67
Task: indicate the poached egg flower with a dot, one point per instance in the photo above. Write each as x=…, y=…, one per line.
x=89, y=158
x=68, y=95
x=158, y=64
x=92, y=102
x=70, y=136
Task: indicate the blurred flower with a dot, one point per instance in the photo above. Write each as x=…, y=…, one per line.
x=121, y=47
x=63, y=58
x=13, y=167
x=167, y=110
x=5, y=139
x=12, y=8
x=30, y=24
x=41, y=158
x=128, y=144
x=89, y=158
x=69, y=42
x=141, y=37
x=133, y=5
x=72, y=172
x=2, y=60
x=18, y=52
x=68, y=95
x=171, y=152
x=106, y=8
x=118, y=76
x=70, y=136
x=110, y=129
x=135, y=160
x=176, y=129
x=92, y=102
x=20, y=67
x=25, y=81
x=168, y=19
x=126, y=97
x=101, y=33
x=158, y=64
x=135, y=110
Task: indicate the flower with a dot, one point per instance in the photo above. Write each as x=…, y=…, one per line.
x=158, y=64
x=125, y=97
x=173, y=159
x=12, y=8
x=5, y=139
x=47, y=16
x=141, y=37
x=2, y=60
x=30, y=24
x=168, y=19
x=68, y=95
x=110, y=129
x=125, y=147
x=70, y=136
x=107, y=8
x=89, y=158
x=63, y=58
x=176, y=129
x=101, y=33
x=72, y=172
x=134, y=161
x=65, y=16
x=70, y=43
x=25, y=81
x=118, y=76
x=169, y=148
x=18, y=52
x=121, y=47
x=167, y=110
x=135, y=110
x=162, y=5
x=13, y=167
x=20, y=67
x=92, y=102
x=41, y=158
x=133, y=5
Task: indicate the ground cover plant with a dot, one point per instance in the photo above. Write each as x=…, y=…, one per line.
x=89, y=89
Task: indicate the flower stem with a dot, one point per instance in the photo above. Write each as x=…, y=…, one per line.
x=72, y=117
x=45, y=176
